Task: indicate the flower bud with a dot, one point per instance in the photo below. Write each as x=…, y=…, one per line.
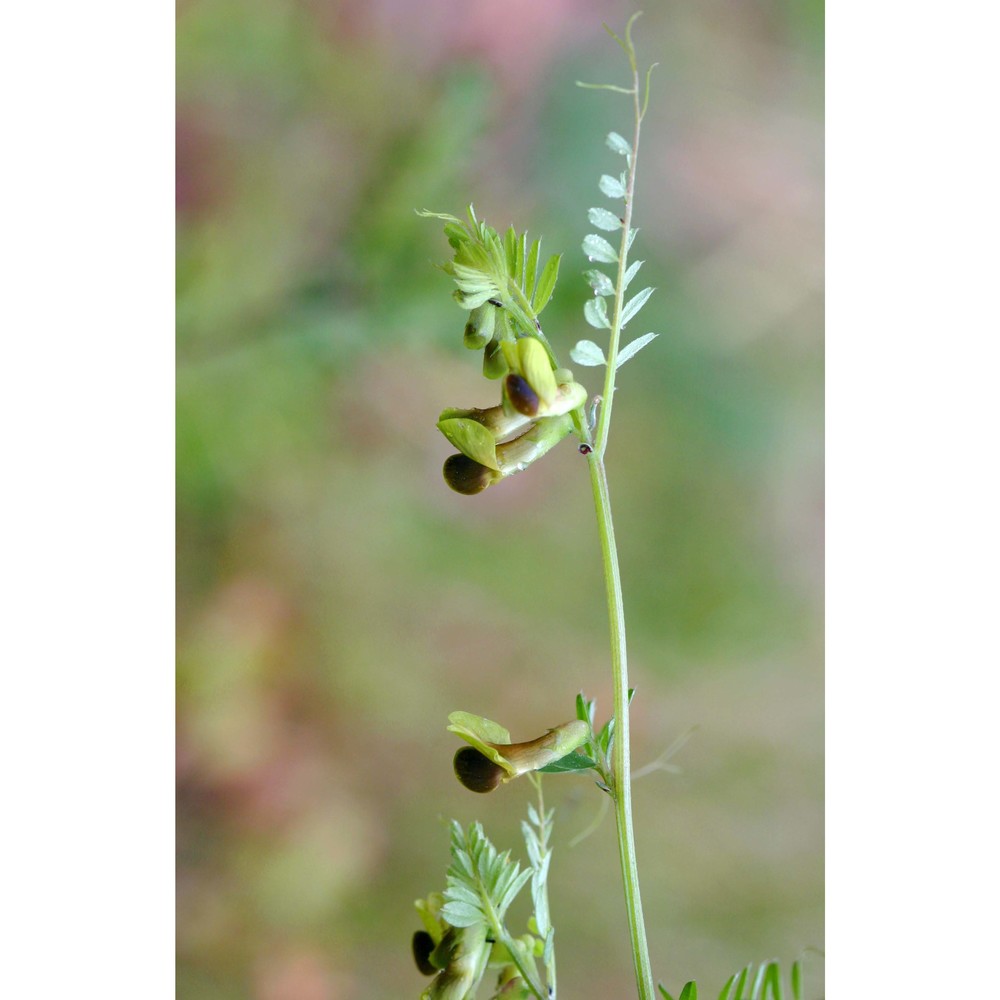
x=510, y=985
x=468, y=951
x=479, y=329
x=494, y=362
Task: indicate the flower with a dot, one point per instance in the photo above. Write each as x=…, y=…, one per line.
x=484, y=462
x=532, y=417
x=492, y=759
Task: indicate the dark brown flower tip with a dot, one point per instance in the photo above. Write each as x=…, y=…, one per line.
x=464, y=475
x=476, y=771
x=423, y=945
x=523, y=398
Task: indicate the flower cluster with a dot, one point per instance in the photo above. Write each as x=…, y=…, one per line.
x=532, y=417
x=498, y=280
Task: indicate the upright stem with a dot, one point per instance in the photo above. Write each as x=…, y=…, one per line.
x=621, y=758
x=621, y=761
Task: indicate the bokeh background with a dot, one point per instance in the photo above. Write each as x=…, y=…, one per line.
x=336, y=601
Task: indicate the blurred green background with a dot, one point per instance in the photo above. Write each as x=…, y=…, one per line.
x=336, y=601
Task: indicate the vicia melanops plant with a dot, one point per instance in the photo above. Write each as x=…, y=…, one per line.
x=504, y=286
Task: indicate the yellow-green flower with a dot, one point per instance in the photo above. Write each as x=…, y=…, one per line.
x=492, y=759
x=483, y=462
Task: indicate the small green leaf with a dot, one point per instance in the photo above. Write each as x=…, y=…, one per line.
x=632, y=349
x=663, y=992
x=604, y=86
x=727, y=990
x=796, y=980
x=599, y=249
x=631, y=273
x=587, y=353
x=611, y=186
x=531, y=269
x=507, y=893
x=635, y=303
x=595, y=312
x=690, y=991
x=605, y=735
x=574, y=761
x=619, y=144
x=510, y=250
x=460, y=914
x=473, y=300
x=425, y=213
x=772, y=980
x=604, y=219
x=742, y=979
x=495, y=254
x=546, y=283
x=459, y=893
x=548, y=947
x=600, y=282
x=461, y=863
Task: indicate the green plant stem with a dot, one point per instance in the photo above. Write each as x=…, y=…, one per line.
x=604, y=420
x=621, y=759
